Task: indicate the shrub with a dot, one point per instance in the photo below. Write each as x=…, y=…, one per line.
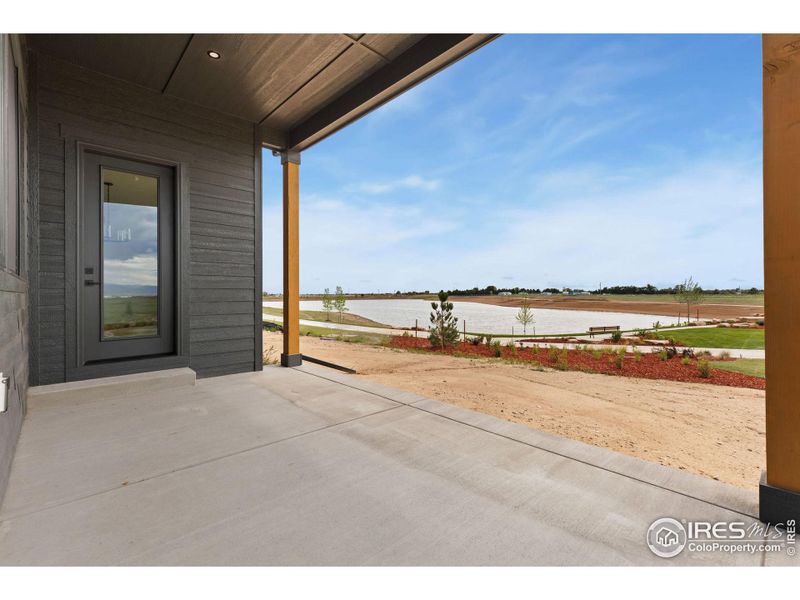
x=597, y=354
x=497, y=349
x=444, y=326
x=685, y=360
x=476, y=341
x=663, y=355
x=488, y=340
x=724, y=355
x=637, y=355
x=619, y=359
x=561, y=362
x=552, y=353
x=269, y=356
x=616, y=336
x=704, y=368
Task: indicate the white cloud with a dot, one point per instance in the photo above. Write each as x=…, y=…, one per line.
x=141, y=269
x=352, y=242
x=580, y=227
x=703, y=220
x=410, y=182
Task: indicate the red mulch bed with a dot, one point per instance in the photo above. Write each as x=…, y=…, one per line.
x=649, y=366
x=588, y=341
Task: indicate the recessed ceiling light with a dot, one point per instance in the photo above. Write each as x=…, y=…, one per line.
x=214, y=54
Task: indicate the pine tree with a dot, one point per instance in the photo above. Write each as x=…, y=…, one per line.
x=444, y=326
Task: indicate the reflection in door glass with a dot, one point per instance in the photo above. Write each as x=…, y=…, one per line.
x=130, y=254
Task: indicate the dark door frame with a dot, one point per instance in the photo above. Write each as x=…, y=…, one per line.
x=77, y=142
x=95, y=347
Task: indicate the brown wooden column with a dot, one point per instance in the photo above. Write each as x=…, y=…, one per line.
x=291, y=356
x=780, y=487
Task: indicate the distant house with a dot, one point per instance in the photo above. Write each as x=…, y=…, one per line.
x=503, y=293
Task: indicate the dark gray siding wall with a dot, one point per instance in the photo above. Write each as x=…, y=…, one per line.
x=14, y=307
x=223, y=212
x=14, y=360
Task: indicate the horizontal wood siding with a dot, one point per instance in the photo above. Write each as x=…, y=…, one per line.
x=222, y=215
x=14, y=352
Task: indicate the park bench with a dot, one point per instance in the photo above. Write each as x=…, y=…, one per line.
x=603, y=329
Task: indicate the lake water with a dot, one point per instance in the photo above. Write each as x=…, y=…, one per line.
x=486, y=318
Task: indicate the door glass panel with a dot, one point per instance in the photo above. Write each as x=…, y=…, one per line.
x=130, y=254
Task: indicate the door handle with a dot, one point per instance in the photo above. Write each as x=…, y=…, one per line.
x=90, y=282
x=4, y=380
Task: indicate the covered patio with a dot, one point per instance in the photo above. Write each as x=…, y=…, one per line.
x=126, y=458
x=306, y=466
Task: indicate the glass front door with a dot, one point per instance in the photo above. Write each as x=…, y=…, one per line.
x=128, y=273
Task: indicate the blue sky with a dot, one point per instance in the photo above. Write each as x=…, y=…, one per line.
x=539, y=161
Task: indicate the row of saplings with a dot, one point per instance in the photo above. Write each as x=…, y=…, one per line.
x=444, y=334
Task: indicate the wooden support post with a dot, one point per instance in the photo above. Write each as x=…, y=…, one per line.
x=780, y=486
x=291, y=356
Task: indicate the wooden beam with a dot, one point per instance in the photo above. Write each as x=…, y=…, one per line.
x=291, y=356
x=270, y=137
x=781, y=102
x=428, y=56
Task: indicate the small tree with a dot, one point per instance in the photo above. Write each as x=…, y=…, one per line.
x=327, y=303
x=444, y=326
x=340, y=302
x=525, y=316
x=689, y=293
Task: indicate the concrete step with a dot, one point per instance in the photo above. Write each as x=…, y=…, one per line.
x=110, y=387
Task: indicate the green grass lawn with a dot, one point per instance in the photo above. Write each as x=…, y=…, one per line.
x=320, y=315
x=717, y=337
x=748, y=366
x=131, y=316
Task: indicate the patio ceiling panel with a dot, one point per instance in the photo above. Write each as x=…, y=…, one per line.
x=298, y=88
x=255, y=74
x=355, y=63
x=145, y=59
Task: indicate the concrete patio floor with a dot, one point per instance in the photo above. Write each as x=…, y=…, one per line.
x=308, y=466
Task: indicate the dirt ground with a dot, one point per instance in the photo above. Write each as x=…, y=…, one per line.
x=668, y=309
x=714, y=431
